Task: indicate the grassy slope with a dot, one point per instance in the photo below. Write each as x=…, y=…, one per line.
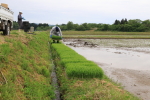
x=106, y=35
x=87, y=88
x=24, y=62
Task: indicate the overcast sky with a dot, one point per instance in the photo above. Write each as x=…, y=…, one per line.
x=79, y=11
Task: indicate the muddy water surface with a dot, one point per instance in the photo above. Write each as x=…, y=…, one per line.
x=124, y=61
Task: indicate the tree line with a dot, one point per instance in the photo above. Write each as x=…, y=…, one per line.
x=37, y=27
x=123, y=25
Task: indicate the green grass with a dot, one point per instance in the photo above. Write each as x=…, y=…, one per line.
x=24, y=62
x=4, y=52
x=91, y=32
x=105, y=35
x=14, y=32
x=95, y=89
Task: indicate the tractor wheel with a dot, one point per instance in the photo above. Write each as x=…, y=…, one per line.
x=7, y=29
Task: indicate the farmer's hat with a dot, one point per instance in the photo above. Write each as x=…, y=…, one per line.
x=20, y=11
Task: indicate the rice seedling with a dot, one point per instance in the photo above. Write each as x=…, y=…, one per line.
x=56, y=37
x=83, y=70
x=75, y=64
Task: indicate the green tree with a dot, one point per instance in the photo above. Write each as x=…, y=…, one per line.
x=34, y=25
x=142, y=28
x=105, y=27
x=135, y=24
x=75, y=26
x=42, y=28
x=70, y=25
x=127, y=28
x=117, y=22
x=126, y=21
x=146, y=24
x=122, y=21
x=15, y=25
x=87, y=27
x=80, y=28
x=92, y=25
x=63, y=27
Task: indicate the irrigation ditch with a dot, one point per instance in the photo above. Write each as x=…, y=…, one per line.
x=58, y=70
x=61, y=74
x=54, y=75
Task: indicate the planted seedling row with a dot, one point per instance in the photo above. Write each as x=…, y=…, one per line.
x=75, y=64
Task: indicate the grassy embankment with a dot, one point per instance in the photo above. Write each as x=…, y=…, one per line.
x=105, y=35
x=24, y=67
x=80, y=79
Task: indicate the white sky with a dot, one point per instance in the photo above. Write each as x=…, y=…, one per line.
x=79, y=11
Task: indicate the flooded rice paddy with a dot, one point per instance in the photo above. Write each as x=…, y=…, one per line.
x=125, y=61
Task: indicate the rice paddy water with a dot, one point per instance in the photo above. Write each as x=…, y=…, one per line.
x=124, y=60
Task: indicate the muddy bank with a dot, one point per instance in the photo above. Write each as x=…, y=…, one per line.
x=79, y=43
x=124, y=61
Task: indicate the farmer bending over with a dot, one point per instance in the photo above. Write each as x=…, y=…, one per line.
x=55, y=31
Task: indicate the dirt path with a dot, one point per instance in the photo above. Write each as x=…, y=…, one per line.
x=128, y=66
